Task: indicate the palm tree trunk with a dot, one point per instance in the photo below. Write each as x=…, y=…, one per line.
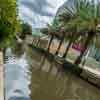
x=52, y=37
x=78, y=60
x=86, y=56
x=60, y=44
x=67, y=49
x=38, y=41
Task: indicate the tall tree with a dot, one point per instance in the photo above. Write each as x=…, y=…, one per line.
x=87, y=19
x=9, y=24
x=65, y=14
x=81, y=16
x=26, y=28
x=53, y=31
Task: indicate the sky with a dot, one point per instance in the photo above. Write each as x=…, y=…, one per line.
x=38, y=12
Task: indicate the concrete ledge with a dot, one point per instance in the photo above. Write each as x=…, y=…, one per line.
x=1, y=77
x=91, y=77
x=88, y=74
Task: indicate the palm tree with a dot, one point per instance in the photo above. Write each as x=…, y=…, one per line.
x=63, y=17
x=57, y=28
x=87, y=19
x=61, y=35
x=70, y=33
x=47, y=32
x=51, y=30
x=72, y=38
x=65, y=14
x=81, y=17
x=60, y=44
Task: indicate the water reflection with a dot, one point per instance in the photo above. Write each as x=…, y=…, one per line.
x=18, y=49
x=16, y=77
x=48, y=82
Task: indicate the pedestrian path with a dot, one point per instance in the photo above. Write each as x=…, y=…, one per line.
x=94, y=71
x=1, y=77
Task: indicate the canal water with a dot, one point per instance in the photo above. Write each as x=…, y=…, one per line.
x=32, y=76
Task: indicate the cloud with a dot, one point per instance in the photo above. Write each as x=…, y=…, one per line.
x=38, y=12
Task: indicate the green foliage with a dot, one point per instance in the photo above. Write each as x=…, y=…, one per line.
x=84, y=16
x=25, y=29
x=44, y=30
x=54, y=29
x=9, y=24
x=50, y=29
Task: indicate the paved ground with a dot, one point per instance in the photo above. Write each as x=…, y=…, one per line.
x=1, y=77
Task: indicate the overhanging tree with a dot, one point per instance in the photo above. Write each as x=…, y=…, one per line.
x=9, y=24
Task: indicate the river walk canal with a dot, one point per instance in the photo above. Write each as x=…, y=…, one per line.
x=29, y=75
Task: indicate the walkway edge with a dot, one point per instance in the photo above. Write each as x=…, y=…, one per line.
x=1, y=76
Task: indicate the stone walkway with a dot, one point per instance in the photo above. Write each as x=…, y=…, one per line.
x=94, y=71
x=1, y=77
